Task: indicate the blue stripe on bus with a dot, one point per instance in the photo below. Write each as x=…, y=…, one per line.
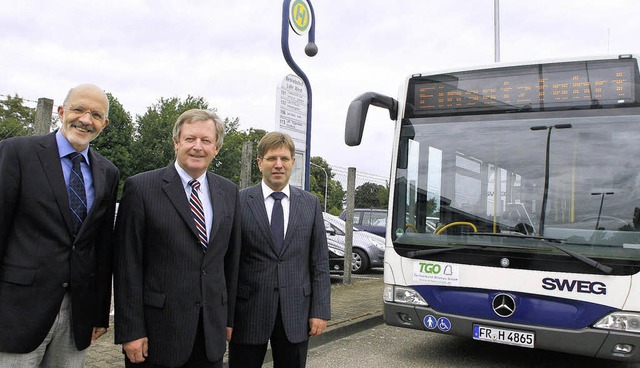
x=530, y=308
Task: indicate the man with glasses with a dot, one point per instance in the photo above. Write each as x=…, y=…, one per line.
x=57, y=205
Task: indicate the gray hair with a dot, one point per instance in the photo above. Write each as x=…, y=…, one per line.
x=199, y=115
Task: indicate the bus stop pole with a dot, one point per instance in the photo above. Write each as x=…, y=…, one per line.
x=311, y=50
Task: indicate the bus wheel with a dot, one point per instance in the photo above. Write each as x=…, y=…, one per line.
x=360, y=262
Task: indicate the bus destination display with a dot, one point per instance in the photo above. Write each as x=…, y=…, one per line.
x=589, y=84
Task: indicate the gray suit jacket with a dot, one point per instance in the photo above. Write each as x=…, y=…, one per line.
x=297, y=279
x=163, y=279
x=40, y=260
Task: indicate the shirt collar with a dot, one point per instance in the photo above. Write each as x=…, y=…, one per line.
x=266, y=191
x=65, y=148
x=186, y=178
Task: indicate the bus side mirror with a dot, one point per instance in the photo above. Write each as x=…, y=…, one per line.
x=357, y=114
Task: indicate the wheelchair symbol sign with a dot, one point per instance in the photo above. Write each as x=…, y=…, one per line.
x=444, y=324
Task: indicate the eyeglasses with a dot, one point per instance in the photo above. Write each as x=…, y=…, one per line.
x=80, y=110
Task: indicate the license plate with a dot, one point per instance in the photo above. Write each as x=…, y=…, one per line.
x=504, y=336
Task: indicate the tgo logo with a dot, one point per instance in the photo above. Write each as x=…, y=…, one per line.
x=430, y=268
x=579, y=286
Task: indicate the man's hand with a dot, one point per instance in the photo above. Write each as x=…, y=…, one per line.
x=97, y=332
x=316, y=326
x=229, y=331
x=136, y=350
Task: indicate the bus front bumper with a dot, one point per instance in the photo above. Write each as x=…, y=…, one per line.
x=591, y=342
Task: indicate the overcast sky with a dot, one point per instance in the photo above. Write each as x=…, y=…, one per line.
x=229, y=53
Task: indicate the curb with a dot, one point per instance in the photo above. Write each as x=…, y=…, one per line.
x=339, y=332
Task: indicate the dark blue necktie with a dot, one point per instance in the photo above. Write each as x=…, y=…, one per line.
x=77, y=195
x=277, y=220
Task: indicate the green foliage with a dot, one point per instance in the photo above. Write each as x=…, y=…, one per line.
x=370, y=195
x=228, y=162
x=317, y=181
x=15, y=118
x=116, y=139
x=153, y=144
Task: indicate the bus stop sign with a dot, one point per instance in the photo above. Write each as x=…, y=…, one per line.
x=300, y=16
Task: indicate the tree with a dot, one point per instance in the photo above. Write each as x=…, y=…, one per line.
x=15, y=118
x=228, y=162
x=116, y=139
x=153, y=143
x=335, y=193
x=370, y=195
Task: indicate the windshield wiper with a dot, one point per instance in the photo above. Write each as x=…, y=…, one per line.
x=550, y=241
x=424, y=252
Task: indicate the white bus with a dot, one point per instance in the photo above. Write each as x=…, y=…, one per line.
x=515, y=204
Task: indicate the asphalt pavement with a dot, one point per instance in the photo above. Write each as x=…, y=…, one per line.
x=354, y=308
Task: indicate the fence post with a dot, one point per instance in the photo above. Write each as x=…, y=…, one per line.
x=42, y=123
x=245, y=166
x=348, y=238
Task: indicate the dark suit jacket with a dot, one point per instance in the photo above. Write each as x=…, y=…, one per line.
x=297, y=278
x=40, y=259
x=163, y=280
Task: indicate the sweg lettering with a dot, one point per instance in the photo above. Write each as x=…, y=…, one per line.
x=579, y=286
x=430, y=268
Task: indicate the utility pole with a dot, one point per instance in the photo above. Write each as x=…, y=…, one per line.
x=348, y=227
x=42, y=123
x=245, y=166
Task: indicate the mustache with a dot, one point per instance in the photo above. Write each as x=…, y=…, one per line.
x=78, y=124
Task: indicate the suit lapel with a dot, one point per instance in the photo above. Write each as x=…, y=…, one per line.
x=217, y=203
x=172, y=186
x=50, y=159
x=294, y=214
x=99, y=175
x=256, y=205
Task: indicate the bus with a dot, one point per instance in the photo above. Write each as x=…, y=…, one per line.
x=514, y=214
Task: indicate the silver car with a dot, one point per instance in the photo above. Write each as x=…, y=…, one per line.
x=368, y=248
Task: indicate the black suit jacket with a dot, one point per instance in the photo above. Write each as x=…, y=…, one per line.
x=296, y=279
x=163, y=280
x=40, y=259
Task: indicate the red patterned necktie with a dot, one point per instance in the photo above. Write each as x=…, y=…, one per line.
x=198, y=213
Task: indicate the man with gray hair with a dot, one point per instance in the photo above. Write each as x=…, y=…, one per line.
x=177, y=249
x=57, y=203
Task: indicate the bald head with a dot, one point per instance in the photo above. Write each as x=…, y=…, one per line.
x=92, y=89
x=83, y=115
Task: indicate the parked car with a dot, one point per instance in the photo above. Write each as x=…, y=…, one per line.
x=372, y=220
x=368, y=248
x=336, y=257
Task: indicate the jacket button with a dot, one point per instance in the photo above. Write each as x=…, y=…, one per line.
x=198, y=304
x=204, y=272
x=65, y=285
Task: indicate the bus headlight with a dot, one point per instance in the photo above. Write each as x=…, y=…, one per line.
x=620, y=321
x=402, y=294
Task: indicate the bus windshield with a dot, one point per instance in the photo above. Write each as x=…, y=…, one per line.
x=503, y=179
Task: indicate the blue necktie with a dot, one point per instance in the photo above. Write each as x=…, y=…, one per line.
x=77, y=195
x=198, y=214
x=277, y=220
